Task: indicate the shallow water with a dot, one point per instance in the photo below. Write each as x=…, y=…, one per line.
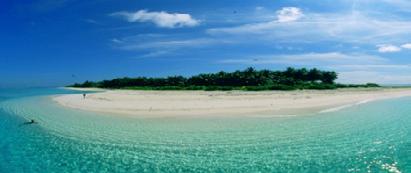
x=373, y=137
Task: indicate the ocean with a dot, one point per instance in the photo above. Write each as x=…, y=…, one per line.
x=371, y=137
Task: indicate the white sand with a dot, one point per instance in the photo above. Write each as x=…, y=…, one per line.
x=233, y=103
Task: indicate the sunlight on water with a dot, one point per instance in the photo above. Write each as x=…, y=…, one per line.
x=370, y=137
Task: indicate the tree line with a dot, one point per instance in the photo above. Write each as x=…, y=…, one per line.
x=248, y=79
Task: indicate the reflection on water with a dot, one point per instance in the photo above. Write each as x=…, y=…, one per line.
x=371, y=137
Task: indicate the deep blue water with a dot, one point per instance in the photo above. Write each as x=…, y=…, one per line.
x=374, y=137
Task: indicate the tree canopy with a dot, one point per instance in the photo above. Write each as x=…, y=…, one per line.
x=248, y=79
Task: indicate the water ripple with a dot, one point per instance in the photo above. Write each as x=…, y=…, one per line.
x=371, y=137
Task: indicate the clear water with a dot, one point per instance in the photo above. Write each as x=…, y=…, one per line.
x=374, y=137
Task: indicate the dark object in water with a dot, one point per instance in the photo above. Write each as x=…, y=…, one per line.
x=30, y=122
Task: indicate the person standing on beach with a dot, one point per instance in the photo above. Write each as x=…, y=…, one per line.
x=84, y=95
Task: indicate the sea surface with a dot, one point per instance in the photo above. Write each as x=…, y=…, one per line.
x=371, y=137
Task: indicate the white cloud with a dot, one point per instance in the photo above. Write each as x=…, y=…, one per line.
x=154, y=45
x=349, y=27
x=92, y=21
x=374, y=77
x=259, y=8
x=161, y=19
x=401, y=5
x=370, y=66
x=115, y=40
x=406, y=46
x=164, y=44
x=310, y=59
x=156, y=54
x=386, y=48
x=289, y=14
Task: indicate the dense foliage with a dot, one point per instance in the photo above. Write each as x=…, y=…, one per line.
x=248, y=79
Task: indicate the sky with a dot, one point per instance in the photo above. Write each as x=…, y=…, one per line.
x=59, y=42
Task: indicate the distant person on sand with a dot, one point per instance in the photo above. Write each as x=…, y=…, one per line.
x=84, y=96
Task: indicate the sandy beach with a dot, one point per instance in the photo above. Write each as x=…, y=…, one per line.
x=219, y=103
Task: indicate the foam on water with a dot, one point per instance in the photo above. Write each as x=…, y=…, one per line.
x=334, y=109
x=370, y=137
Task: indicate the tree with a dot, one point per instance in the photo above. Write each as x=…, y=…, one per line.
x=314, y=75
x=249, y=79
x=328, y=77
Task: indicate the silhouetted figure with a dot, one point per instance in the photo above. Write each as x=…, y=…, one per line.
x=30, y=122
x=84, y=96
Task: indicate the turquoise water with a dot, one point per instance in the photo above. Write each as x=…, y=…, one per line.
x=373, y=137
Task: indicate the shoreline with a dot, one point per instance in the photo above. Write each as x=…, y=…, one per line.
x=138, y=103
x=83, y=89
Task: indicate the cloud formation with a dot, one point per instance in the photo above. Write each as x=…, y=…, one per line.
x=406, y=46
x=161, y=19
x=380, y=77
x=310, y=59
x=355, y=40
x=142, y=43
x=347, y=27
x=289, y=14
x=157, y=45
x=386, y=48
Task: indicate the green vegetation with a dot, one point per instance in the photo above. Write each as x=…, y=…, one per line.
x=248, y=80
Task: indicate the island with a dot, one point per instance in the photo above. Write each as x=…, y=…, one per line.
x=241, y=93
x=249, y=79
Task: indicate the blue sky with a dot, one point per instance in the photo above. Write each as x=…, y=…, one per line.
x=58, y=42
